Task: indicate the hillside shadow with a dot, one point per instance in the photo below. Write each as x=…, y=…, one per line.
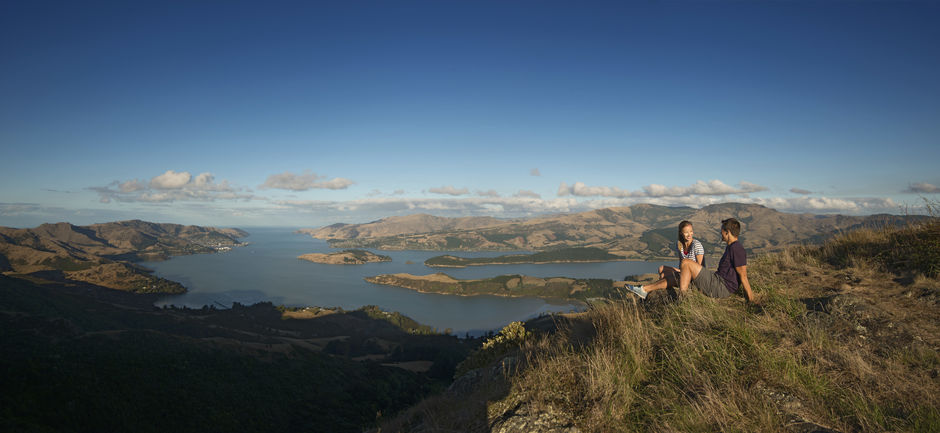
x=117, y=363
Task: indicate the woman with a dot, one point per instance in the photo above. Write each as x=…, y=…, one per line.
x=687, y=248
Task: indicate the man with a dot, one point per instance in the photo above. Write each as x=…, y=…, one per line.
x=731, y=272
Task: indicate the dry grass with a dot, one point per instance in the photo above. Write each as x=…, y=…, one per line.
x=846, y=337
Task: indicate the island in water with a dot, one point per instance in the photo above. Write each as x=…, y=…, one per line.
x=504, y=285
x=562, y=255
x=346, y=257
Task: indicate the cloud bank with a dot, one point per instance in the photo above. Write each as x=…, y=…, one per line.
x=923, y=188
x=168, y=187
x=449, y=190
x=713, y=187
x=303, y=182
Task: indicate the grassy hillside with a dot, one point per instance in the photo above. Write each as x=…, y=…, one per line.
x=846, y=338
x=103, y=254
x=88, y=359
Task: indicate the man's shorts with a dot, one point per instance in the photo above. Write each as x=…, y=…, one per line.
x=711, y=284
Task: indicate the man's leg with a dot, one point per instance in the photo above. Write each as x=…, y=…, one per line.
x=689, y=271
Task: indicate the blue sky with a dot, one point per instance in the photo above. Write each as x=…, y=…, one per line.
x=308, y=113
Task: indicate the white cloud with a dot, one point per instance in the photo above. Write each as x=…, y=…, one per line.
x=713, y=187
x=923, y=188
x=527, y=193
x=168, y=187
x=303, y=182
x=449, y=190
x=490, y=193
x=170, y=180
x=511, y=207
x=535, y=172
x=132, y=185
x=830, y=205
x=204, y=179
x=385, y=206
x=800, y=191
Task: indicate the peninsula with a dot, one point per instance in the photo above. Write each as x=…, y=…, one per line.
x=563, y=255
x=106, y=254
x=503, y=285
x=346, y=257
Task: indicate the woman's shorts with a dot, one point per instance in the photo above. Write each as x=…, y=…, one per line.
x=711, y=284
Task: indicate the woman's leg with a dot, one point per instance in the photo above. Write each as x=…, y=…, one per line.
x=671, y=275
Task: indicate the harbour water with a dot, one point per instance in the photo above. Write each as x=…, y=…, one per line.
x=267, y=269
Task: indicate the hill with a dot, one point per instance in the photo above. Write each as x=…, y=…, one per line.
x=639, y=231
x=103, y=254
x=845, y=339
x=87, y=359
x=399, y=225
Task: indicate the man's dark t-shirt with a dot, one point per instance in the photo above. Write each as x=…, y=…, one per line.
x=733, y=257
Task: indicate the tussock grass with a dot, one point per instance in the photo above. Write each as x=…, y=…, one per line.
x=910, y=250
x=803, y=357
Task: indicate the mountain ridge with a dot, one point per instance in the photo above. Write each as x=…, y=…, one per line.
x=638, y=231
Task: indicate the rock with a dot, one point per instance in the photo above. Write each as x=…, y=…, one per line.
x=523, y=419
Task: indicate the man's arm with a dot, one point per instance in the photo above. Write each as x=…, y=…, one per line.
x=742, y=273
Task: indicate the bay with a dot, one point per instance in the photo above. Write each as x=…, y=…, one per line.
x=267, y=269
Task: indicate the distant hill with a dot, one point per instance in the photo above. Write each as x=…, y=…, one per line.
x=103, y=254
x=401, y=225
x=639, y=231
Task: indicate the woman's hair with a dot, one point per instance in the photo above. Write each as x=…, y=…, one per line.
x=682, y=225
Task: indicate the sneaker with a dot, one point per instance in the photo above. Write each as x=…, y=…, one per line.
x=638, y=290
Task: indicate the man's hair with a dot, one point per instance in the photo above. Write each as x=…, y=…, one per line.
x=732, y=226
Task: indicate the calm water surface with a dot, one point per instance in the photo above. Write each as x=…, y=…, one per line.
x=268, y=270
